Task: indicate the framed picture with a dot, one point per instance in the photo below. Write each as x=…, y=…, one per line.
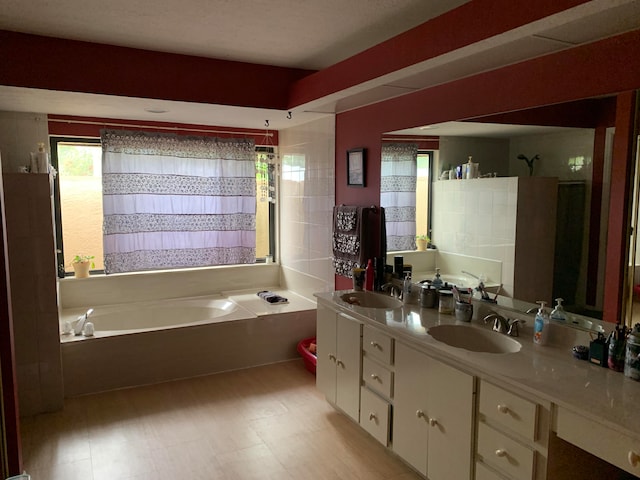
x=356, y=167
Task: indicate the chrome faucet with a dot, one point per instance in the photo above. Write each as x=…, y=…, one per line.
x=504, y=325
x=393, y=289
x=82, y=320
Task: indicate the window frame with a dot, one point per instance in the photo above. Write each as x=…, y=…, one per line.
x=54, y=140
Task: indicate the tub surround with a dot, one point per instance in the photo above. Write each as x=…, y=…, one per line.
x=604, y=399
x=255, y=333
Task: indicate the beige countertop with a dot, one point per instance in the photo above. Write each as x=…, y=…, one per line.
x=550, y=372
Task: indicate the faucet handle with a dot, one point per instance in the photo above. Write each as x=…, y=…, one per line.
x=513, y=327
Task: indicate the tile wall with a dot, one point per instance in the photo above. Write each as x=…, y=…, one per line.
x=307, y=197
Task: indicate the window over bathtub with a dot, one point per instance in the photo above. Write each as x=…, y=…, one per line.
x=141, y=211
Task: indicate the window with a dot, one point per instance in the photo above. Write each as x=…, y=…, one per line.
x=78, y=200
x=423, y=193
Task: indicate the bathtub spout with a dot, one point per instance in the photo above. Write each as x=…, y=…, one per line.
x=82, y=319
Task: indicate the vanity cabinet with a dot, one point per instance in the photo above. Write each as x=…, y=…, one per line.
x=377, y=383
x=432, y=415
x=512, y=435
x=607, y=443
x=338, y=369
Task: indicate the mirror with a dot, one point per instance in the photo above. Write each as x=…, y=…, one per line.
x=570, y=143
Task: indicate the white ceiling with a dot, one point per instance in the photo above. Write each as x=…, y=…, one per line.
x=293, y=33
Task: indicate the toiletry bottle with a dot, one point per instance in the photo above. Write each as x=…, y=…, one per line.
x=632, y=356
x=437, y=281
x=43, y=159
x=558, y=312
x=406, y=288
x=541, y=325
x=368, y=276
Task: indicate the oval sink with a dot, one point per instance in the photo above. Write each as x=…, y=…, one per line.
x=370, y=300
x=474, y=339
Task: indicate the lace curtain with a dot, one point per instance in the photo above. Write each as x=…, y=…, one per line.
x=174, y=201
x=398, y=194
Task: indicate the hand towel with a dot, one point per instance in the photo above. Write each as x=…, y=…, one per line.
x=271, y=297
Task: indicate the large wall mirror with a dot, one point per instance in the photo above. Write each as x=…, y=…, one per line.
x=571, y=145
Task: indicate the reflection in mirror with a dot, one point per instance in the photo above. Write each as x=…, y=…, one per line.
x=483, y=216
x=632, y=279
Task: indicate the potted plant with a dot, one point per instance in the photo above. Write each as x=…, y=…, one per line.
x=421, y=242
x=82, y=264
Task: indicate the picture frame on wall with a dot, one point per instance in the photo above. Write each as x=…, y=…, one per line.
x=356, y=163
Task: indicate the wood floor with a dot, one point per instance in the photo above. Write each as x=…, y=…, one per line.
x=267, y=422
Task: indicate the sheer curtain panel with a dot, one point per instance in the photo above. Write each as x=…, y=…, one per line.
x=177, y=201
x=398, y=194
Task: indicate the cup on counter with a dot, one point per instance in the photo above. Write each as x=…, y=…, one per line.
x=445, y=301
x=358, y=279
x=463, y=311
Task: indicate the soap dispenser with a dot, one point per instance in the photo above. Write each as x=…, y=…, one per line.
x=558, y=312
x=406, y=288
x=369, y=276
x=541, y=325
x=437, y=282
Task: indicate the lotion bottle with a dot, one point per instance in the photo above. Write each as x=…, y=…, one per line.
x=558, y=312
x=541, y=325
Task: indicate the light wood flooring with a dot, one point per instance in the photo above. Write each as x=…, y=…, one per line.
x=267, y=422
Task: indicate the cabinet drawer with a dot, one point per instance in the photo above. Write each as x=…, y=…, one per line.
x=603, y=442
x=377, y=345
x=374, y=416
x=485, y=473
x=508, y=410
x=377, y=377
x=504, y=453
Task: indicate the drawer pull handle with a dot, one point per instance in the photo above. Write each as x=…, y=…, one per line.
x=633, y=458
x=376, y=345
x=420, y=414
x=372, y=416
x=375, y=377
x=501, y=453
x=503, y=409
x=340, y=363
x=433, y=422
x=332, y=357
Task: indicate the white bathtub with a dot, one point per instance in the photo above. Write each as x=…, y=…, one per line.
x=156, y=341
x=109, y=320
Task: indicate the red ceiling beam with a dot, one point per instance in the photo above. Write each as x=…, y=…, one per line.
x=56, y=64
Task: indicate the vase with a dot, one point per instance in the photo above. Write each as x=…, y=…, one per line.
x=421, y=244
x=81, y=269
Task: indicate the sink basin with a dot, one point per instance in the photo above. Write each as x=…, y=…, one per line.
x=370, y=300
x=474, y=339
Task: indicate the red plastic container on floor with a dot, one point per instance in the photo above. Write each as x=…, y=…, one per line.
x=309, y=358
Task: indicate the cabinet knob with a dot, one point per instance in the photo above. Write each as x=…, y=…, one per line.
x=501, y=452
x=332, y=357
x=420, y=414
x=633, y=458
x=433, y=422
x=376, y=345
x=372, y=416
x=340, y=363
x=375, y=377
x=503, y=408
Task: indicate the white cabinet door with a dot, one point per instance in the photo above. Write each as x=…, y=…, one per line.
x=410, y=421
x=326, y=334
x=338, y=368
x=433, y=413
x=348, y=365
x=450, y=451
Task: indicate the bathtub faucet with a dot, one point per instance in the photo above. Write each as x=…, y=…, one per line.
x=82, y=319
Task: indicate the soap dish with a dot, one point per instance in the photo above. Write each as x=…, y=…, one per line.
x=581, y=352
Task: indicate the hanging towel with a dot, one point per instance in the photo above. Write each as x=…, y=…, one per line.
x=359, y=234
x=271, y=297
x=347, y=222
